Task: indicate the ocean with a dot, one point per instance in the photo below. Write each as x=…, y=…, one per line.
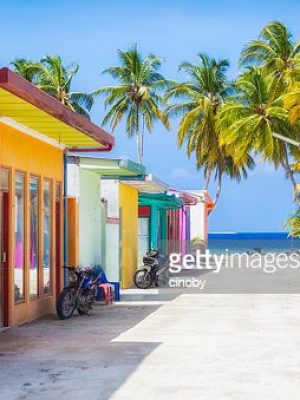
x=239, y=242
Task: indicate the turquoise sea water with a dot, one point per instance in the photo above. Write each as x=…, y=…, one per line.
x=239, y=242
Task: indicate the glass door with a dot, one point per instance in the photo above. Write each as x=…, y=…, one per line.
x=4, y=237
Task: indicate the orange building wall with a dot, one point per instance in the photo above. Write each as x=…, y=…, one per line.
x=73, y=232
x=20, y=152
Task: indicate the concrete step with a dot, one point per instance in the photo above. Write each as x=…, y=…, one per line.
x=148, y=294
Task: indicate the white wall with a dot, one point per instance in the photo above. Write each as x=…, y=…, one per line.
x=90, y=219
x=73, y=180
x=110, y=193
x=197, y=216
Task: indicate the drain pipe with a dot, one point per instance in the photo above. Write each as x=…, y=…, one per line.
x=108, y=147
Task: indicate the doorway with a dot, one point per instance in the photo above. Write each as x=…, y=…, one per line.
x=4, y=239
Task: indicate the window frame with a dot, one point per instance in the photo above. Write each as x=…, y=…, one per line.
x=51, y=240
x=38, y=177
x=25, y=181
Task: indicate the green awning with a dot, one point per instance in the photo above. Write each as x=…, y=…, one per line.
x=109, y=167
x=160, y=200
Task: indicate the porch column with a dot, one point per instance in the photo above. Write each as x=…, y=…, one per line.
x=154, y=215
x=163, y=228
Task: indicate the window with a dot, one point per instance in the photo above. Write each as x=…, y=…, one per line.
x=34, y=237
x=4, y=179
x=47, y=233
x=19, y=237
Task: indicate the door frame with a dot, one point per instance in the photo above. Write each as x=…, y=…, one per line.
x=57, y=246
x=4, y=248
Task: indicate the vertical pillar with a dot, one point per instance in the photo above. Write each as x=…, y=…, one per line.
x=163, y=230
x=153, y=227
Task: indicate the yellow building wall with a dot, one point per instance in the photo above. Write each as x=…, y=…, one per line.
x=129, y=234
x=21, y=152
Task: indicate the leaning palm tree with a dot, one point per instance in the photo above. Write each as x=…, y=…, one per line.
x=198, y=103
x=51, y=76
x=225, y=165
x=293, y=223
x=250, y=118
x=274, y=50
x=136, y=96
x=21, y=67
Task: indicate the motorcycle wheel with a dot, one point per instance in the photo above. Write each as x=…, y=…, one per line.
x=142, y=279
x=65, y=305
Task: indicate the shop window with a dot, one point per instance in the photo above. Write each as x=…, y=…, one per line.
x=34, y=237
x=19, y=237
x=47, y=234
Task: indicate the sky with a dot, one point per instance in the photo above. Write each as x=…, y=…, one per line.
x=90, y=32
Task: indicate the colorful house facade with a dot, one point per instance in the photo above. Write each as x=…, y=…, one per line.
x=155, y=207
x=179, y=229
x=199, y=215
x=106, y=211
x=152, y=223
x=35, y=131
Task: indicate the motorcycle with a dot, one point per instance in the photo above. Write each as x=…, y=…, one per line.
x=80, y=294
x=154, y=271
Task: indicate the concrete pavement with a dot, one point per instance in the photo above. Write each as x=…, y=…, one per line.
x=198, y=346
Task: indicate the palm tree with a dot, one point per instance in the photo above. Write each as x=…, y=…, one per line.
x=226, y=165
x=201, y=98
x=292, y=103
x=20, y=66
x=274, y=50
x=51, y=76
x=136, y=96
x=250, y=118
x=294, y=224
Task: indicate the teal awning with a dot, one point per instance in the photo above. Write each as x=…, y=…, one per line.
x=160, y=200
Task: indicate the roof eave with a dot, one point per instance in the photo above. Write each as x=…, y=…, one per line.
x=20, y=87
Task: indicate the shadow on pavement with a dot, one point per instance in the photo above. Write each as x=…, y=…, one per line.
x=72, y=359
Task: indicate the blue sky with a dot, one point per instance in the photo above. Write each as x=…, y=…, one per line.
x=90, y=32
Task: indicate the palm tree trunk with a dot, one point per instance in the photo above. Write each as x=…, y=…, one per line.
x=142, y=138
x=138, y=136
x=290, y=174
x=219, y=188
x=207, y=178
